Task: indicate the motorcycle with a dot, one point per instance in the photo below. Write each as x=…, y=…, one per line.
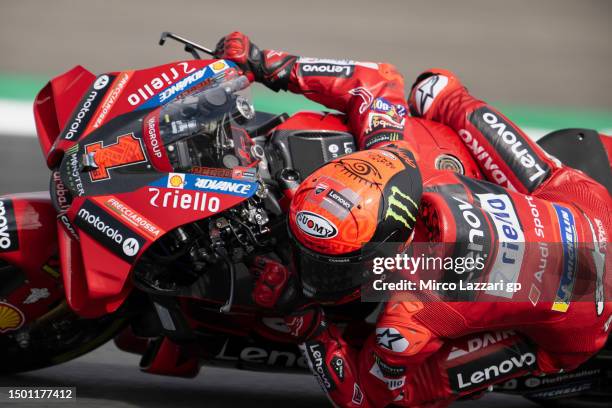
x=168, y=194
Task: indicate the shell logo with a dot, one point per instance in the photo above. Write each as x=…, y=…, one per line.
x=176, y=180
x=218, y=66
x=11, y=318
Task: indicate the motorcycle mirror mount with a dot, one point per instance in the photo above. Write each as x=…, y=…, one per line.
x=190, y=46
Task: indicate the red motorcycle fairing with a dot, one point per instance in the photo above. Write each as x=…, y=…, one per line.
x=114, y=94
x=128, y=199
x=121, y=207
x=98, y=269
x=54, y=104
x=438, y=148
x=31, y=282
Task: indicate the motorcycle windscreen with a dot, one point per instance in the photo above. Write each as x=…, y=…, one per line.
x=202, y=130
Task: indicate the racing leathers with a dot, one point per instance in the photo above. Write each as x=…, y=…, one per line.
x=428, y=353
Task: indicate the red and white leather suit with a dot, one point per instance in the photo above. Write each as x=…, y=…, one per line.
x=430, y=353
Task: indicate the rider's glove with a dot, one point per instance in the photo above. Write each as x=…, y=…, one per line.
x=238, y=48
x=306, y=323
x=272, y=68
x=276, y=286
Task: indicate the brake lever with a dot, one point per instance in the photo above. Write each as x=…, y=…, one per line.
x=190, y=46
x=192, y=51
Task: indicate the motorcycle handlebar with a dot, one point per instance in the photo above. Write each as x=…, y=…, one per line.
x=190, y=46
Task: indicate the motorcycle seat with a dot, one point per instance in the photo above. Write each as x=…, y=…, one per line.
x=581, y=149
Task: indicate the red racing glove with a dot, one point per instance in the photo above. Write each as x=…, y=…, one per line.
x=272, y=68
x=276, y=287
x=238, y=48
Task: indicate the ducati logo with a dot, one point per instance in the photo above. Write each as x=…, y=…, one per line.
x=315, y=225
x=365, y=95
x=320, y=188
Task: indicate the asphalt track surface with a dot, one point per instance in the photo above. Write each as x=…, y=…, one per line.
x=108, y=378
x=549, y=52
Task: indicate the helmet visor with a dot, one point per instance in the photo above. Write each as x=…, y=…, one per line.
x=339, y=279
x=329, y=278
x=328, y=281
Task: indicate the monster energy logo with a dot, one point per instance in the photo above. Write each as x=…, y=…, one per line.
x=72, y=150
x=398, y=208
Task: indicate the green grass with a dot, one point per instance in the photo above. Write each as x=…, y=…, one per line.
x=24, y=88
x=20, y=87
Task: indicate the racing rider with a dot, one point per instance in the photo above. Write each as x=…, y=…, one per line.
x=422, y=352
